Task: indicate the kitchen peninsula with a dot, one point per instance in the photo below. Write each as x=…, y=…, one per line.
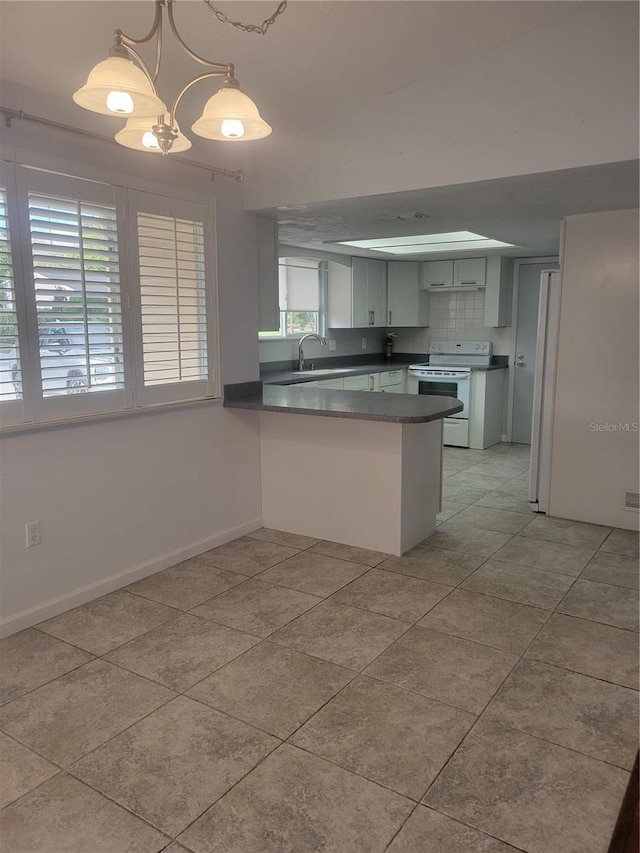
x=360, y=468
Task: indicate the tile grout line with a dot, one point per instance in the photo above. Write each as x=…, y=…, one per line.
x=356, y=673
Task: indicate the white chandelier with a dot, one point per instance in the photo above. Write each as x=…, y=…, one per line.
x=123, y=86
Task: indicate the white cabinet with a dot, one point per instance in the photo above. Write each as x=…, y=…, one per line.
x=486, y=411
x=437, y=275
x=369, y=294
x=406, y=301
x=358, y=300
x=498, y=292
x=363, y=382
x=357, y=383
x=469, y=273
x=336, y=384
x=392, y=381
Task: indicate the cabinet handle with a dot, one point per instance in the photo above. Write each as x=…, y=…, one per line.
x=389, y=317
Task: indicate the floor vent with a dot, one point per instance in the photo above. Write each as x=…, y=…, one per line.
x=632, y=500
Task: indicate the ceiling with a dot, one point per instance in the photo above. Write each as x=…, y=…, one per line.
x=319, y=55
x=525, y=210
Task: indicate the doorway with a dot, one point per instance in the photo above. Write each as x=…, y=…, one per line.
x=526, y=298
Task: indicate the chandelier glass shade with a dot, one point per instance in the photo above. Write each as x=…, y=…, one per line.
x=232, y=116
x=138, y=134
x=117, y=86
x=124, y=86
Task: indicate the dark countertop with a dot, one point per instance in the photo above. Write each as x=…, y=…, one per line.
x=288, y=377
x=358, y=405
x=324, y=371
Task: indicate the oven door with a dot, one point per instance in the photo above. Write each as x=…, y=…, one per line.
x=442, y=386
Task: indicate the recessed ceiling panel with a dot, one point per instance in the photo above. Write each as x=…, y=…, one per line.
x=454, y=241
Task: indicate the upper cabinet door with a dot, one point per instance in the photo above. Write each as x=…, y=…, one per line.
x=377, y=292
x=436, y=274
x=359, y=293
x=361, y=300
x=406, y=302
x=470, y=272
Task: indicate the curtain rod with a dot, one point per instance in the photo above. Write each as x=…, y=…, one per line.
x=10, y=115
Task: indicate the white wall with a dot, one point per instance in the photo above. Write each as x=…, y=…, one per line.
x=118, y=500
x=348, y=343
x=455, y=317
x=121, y=498
x=562, y=96
x=597, y=379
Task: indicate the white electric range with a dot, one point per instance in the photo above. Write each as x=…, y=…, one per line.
x=448, y=374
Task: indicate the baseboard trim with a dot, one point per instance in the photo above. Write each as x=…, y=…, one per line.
x=48, y=609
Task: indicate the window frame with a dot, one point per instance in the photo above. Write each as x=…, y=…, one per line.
x=21, y=176
x=14, y=411
x=264, y=337
x=156, y=204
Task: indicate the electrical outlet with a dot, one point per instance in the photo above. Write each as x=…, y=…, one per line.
x=332, y=346
x=364, y=343
x=32, y=531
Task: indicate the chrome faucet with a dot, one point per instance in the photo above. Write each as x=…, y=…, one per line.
x=323, y=342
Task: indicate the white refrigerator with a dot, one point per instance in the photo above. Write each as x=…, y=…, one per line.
x=544, y=386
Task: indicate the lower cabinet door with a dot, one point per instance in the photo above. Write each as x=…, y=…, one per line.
x=356, y=383
x=456, y=432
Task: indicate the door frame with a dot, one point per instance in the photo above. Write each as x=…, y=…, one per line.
x=517, y=264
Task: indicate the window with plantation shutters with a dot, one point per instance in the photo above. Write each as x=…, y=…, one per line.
x=172, y=294
x=111, y=293
x=174, y=343
x=76, y=284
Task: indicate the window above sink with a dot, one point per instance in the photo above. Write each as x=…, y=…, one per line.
x=299, y=298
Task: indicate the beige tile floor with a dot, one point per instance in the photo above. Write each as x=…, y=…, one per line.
x=284, y=695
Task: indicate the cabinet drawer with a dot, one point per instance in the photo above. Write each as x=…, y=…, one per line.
x=392, y=389
x=391, y=377
x=338, y=384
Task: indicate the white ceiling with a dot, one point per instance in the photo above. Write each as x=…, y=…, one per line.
x=524, y=210
x=318, y=57
x=320, y=54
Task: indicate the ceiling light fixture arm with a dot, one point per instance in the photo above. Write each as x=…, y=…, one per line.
x=225, y=68
x=227, y=73
x=127, y=42
x=157, y=24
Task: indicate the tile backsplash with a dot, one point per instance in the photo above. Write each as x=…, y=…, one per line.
x=454, y=317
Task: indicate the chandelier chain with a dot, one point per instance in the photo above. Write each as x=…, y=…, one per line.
x=261, y=29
